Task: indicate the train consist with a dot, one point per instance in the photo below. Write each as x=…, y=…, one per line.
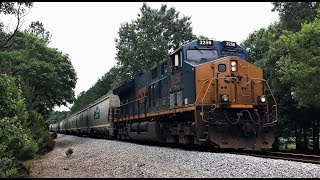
x=205, y=92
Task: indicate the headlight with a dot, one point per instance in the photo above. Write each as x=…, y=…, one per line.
x=263, y=98
x=233, y=66
x=225, y=97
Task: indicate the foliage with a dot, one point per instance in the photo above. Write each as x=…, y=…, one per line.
x=34, y=78
x=11, y=102
x=146, y=41
x=39, y=131
x=47, y=75
x=57, y=116
x=300, y=63
x=203, y=37
x=36, y=28
x=17, y=9
x=288, y=53
x=16, y=143
x=10, y=7
x=15, y=140
x=294, y=14
x=258, y=42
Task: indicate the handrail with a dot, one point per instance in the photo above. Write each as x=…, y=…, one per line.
x=206, y=80
x=202, y=114
x=249, y=82
x=133, y=101
x=274, y=99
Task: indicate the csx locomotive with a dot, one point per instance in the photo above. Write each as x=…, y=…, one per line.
x=205, y=92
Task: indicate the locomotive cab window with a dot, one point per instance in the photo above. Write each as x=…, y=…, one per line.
x=176, y=60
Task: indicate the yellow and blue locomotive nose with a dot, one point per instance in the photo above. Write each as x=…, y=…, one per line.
x=227, y=82
x=228, y=91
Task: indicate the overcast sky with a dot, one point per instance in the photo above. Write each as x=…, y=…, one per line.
x=86, y=31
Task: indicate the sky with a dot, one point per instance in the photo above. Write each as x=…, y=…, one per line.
x=86, y=30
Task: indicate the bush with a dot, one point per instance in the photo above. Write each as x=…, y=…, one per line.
x=17, y=140
x=22, y=134
x=39, y=131
x=16, y=145
x=8, y=167
x=12, y=103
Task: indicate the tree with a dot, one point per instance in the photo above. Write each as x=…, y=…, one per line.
x=36, y=28
x=17, y=9
x=258, y=42
x=46, y=75
x=294, y=14
x=147, y=40
x=202, y=37
x=298, y=60
x=300, y=63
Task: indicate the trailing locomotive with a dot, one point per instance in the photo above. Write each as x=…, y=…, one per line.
x=205, y=92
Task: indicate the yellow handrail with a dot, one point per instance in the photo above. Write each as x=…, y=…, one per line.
x=251, y=80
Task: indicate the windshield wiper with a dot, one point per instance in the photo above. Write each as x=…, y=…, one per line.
x=198, y=49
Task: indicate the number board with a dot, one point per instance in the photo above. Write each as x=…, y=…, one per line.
x=205, y=42
x=230, y=44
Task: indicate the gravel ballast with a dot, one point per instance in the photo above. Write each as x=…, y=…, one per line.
x=111, y=158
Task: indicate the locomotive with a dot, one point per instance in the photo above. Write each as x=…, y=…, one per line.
x=203, y=93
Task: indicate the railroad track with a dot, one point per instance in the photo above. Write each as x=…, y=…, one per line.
x=281, y=155
x=315, y=159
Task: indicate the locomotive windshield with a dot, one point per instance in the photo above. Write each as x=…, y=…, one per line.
x=231, y=53
x=202, y=54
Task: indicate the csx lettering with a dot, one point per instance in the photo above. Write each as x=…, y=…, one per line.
x=227, y=78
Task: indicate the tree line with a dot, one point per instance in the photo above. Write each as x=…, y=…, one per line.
x=288, y=51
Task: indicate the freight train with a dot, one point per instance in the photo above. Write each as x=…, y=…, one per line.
x=205, y=92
